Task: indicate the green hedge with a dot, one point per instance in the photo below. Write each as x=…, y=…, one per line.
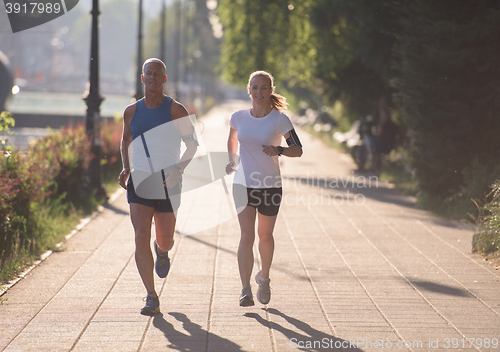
x=487, y=237
x=448, y=83
x=42, y=193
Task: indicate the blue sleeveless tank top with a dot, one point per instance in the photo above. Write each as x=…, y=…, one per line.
x=156, y=141
x=146, y=119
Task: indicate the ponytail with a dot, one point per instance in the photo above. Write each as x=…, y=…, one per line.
x=278, y=102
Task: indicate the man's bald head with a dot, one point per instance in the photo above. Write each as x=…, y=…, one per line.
x=157, y=61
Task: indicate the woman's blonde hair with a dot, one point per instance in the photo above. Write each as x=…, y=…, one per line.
x=278, y=102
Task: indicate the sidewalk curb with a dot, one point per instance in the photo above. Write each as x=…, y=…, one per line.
x=83, y=222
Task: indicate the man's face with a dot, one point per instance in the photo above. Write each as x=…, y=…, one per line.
x=153, y=75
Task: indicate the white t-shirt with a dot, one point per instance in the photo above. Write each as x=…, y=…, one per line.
x=256, y=169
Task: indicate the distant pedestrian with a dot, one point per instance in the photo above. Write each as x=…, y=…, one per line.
x=163, y=122
x=257, y=183
x=387, y=133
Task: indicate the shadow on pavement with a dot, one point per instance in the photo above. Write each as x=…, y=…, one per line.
x=438, y=288
x=311, y=340
x=367, y=186
x=115, y=209
x=196, y=339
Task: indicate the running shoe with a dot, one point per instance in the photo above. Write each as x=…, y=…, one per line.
x=246, y=298
x=152, y=304
x=264, y=291
x=162, y=264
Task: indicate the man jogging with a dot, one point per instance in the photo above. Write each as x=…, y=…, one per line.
x=153, y=129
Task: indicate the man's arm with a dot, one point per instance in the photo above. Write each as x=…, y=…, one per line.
x=232, y=149
x=128, y=114
x=181, y=118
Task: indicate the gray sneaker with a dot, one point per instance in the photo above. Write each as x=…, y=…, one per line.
x=246, y=298
x=264, y=291
x=162, y=264
x=152, y=305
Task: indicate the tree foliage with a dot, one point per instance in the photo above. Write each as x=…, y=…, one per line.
x=448, y=85
x=355, y=42
x=198, y=50
x=271, y=35
x=340, y=50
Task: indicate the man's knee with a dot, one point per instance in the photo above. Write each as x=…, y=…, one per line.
x=247, y=237
x=142, y=238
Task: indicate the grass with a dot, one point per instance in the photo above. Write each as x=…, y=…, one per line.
x=487, y=243
x=486, y=240
x=398, y=176
x=110, y=178
x=56, y=221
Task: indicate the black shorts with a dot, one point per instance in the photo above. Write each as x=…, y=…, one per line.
x=267, y=201
x=168, y=205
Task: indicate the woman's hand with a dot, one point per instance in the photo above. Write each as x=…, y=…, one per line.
x=270, y=150
x=122, y=179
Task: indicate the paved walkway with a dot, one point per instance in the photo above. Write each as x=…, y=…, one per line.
x=355, y=264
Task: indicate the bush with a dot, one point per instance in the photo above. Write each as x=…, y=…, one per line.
x=39, y=185
x=111, y=157
x=59, y=161
x=448, y=91
x=42, y=194
x=6, y=121
x=478, y=178
x=487, y=237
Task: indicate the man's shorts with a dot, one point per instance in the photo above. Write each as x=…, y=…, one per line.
x=168, y=205
x=266, y=200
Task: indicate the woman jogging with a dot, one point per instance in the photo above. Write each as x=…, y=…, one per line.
x=257, y=182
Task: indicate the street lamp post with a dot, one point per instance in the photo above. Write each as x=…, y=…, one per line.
x=177, y=43
x=139, y=93
x=162, y=32
x=93, y=101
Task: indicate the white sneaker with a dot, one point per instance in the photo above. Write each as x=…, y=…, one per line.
x=264, y=291
x=246, y=298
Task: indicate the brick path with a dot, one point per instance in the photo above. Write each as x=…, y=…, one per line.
x=355, y=263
